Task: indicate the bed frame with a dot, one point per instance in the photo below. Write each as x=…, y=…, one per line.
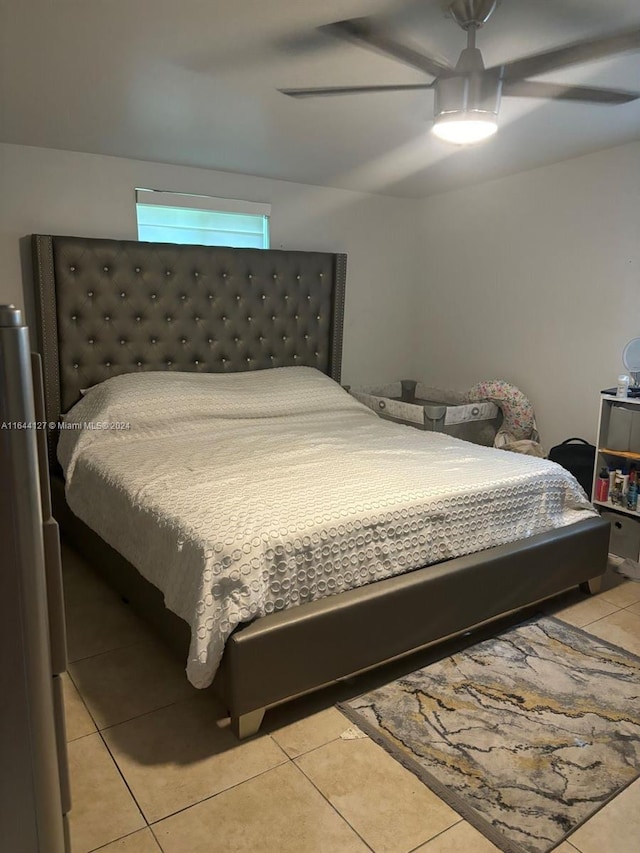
x=108, y=307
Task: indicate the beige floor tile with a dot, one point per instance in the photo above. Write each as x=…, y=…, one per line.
x=386, y=804
x=614, y=828
x=310, y=732
x=565, y=847
x=622, y=595
x=139, y=842
x=77, y=717
x=584, y=611
x=621, y=628
x=127, y=682
x=635, y=608
x=177, y=756
x=97, y=620
x=461, y=838
x=278, y=812
x=102, y=809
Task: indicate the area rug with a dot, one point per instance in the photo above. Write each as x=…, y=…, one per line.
x=526, y=735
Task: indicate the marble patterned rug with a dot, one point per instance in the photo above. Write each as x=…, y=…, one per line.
x=526, y=735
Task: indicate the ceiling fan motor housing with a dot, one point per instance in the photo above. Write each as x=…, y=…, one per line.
x=471, y=94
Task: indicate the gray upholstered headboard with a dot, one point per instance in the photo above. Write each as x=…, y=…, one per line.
x=112, y=306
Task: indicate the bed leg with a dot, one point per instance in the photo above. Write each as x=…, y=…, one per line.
x=247, y=724
x=592, y=586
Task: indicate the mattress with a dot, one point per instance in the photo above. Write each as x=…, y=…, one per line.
x=238, y=495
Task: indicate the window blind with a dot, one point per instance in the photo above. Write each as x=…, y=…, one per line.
x=168, y=217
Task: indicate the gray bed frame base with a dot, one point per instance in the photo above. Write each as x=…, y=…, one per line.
x=108, y=307
x=292, y=652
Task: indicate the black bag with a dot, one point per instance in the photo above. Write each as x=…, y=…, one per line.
x=579, y=459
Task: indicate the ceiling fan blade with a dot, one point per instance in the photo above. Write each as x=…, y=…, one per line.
x=367, y=32
x=571, y=54
x=558, y=92
x=353, y=90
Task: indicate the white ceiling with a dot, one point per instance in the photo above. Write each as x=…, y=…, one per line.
x=194, y=82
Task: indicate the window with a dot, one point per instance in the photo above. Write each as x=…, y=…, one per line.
x=165, y=217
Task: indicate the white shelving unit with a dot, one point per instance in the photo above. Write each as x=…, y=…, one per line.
x=625, y=523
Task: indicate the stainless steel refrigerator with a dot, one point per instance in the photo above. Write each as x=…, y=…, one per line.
x=34, y=788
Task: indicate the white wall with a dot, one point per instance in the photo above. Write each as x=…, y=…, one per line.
x=535, y=279
x=61, y=192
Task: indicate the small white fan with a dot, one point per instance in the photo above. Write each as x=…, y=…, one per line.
x=631, y=360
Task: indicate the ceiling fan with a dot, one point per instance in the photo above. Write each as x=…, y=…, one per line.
x=467, y=95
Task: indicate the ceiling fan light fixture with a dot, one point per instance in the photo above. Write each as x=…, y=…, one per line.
x=466, y=105
x=465, y=127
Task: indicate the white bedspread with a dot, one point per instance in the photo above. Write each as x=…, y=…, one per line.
x=241, y=494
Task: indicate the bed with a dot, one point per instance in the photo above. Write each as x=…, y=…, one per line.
x=117, y=310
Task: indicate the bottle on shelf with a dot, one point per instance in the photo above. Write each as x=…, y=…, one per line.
x=622, y=389
x=632, y=490
x=602, y=486
x=616, y=495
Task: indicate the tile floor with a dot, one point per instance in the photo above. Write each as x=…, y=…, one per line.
x=155, y=768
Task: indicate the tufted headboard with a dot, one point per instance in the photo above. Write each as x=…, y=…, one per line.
x=114, y=306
